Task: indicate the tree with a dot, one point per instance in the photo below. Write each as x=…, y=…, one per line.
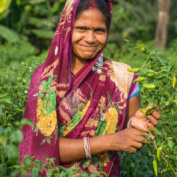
x=163, y=19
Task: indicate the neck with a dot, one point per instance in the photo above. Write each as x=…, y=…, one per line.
x=77, y=63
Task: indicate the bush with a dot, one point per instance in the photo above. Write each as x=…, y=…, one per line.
x=13, y=95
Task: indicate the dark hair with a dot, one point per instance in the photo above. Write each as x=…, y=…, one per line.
x=101, y=5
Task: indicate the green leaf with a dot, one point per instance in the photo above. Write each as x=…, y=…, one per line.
x=102, y=172
x=35, y=172
x=16, y=136
x=6, y=100
x=85, y=164
x=26, y=122
x=170, y=144
x=4, y=4
x=160, y=134
x=63, y=174
x=172, y=157
x=148, y=138
x=36, y=1
x=8, y=34
x=12, y=154
x=49, y=172
x=43, y=33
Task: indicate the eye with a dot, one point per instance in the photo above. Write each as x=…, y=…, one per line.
x=80, y=28
x=100, y=30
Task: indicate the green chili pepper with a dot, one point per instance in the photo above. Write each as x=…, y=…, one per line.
x=133, y=70
x=149, y=74
x=159, y=150
x=149, y=109
x=174, y=81
x=155, y=165
x=166, y=105
x=139, y=79
x=151, y=71
x=149, y=86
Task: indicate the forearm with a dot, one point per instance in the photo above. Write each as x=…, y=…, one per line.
x=72, y=150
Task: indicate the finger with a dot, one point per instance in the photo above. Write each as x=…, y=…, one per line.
x=132, y=149
x=156, y=115
x=137, y=145
x=139, y=133
x=159, y=110
x=150, y=126
x=140, y=139
x=152, y=120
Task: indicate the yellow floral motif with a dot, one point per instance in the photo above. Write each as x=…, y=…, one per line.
x=46, y=124
x=85, y=109
x=106, y=158
x=112, y=120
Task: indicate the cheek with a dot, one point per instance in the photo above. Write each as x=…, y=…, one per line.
x=102, y=39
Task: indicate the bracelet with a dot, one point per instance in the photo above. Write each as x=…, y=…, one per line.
x=87, y=147
x=128, y=124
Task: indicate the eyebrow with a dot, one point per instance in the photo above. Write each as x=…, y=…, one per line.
x=100, y=28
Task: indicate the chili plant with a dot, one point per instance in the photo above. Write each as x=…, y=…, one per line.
x=157, y=79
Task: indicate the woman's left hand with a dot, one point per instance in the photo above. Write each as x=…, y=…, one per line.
x=141, y=121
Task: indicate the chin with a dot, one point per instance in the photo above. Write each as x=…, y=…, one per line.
x=90, y=55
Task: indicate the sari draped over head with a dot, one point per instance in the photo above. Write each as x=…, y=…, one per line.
x=87, y=105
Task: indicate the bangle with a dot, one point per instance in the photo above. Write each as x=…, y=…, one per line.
x=87, y=147
x=128, y=124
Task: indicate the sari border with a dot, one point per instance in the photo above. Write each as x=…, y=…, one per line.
x=112, y=164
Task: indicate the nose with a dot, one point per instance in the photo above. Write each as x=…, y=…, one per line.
x=90, y=37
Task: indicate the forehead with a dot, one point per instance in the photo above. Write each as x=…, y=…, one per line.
x=91, y=18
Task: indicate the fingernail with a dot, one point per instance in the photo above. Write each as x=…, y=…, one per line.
x=152, y=137
x=149, y=121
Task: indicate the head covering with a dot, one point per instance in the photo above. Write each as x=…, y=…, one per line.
x=75, y=107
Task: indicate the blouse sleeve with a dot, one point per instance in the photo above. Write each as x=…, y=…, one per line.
x=135, y=91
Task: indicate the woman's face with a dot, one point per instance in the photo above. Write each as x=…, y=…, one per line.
x=89, y=34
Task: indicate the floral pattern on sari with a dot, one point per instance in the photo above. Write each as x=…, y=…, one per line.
x=90, y=105
x=46, y=109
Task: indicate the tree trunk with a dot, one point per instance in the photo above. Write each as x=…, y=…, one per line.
x=163, y=19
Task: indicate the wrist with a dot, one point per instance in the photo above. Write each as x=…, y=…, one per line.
x=109, y=142
x=129, y=122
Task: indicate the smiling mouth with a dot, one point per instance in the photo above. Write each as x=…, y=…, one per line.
x=88, y=47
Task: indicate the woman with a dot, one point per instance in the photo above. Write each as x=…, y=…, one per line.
x=80, y=101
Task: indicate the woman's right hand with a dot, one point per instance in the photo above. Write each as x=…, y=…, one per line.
x=128, y=140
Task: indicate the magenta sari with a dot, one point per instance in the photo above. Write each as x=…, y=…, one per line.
x=86, y=105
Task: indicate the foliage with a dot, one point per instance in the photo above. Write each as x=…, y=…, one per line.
x=13, y=96
x=14, y=88
x=133, y=20
x=26, y=30
x=15, y=53
x=163, y=76
x=35, y=20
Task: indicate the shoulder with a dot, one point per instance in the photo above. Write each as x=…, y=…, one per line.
x=119, y=74
x=119, y=68
x=120, y=65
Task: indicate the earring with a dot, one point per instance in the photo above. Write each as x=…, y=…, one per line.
x=98, y=64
